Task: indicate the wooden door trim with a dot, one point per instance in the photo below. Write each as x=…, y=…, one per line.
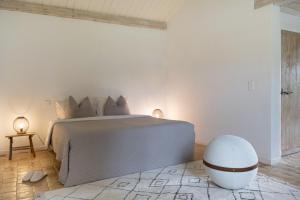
x=290, y=67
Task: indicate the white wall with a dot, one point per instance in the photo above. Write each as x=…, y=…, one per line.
x=214, y=49
x=290, y=22
x=43, y=57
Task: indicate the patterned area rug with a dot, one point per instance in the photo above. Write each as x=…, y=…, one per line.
x=180, y=182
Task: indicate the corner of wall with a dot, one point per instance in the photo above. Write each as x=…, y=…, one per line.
x=275, y=87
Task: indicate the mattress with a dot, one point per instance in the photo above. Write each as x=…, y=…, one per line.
x=96, y=148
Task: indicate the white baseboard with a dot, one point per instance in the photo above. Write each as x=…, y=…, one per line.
x=268, y=161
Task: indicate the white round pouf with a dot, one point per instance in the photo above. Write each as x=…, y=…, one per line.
x=230, y=161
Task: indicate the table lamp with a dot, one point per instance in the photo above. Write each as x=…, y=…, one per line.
x=157, y=113
x=21, y=125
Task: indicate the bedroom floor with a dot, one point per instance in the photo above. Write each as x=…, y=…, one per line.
x=288, y=169
x=11, y=172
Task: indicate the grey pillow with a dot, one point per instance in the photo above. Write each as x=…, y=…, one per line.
x=116, y=108
x=71, y=108
x=84, y=109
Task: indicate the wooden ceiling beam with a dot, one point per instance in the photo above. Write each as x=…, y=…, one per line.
x=262, y=3
x=35, y=8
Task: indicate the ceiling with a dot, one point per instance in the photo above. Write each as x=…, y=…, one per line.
x=157, y=10
x=291, y=7
x=141, y=13
x=287, y=6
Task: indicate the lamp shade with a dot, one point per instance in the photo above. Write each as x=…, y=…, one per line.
x=157, y=113
x=21, y=125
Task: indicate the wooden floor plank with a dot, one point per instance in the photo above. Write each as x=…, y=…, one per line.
x=288, y=169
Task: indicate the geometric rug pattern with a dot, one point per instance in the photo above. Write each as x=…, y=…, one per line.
x=181, y=182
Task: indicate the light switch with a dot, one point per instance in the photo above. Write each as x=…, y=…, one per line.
x=251, y=85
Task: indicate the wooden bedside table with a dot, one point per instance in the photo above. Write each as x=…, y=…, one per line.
x=11, y=140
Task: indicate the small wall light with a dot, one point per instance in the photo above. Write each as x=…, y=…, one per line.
x=21, y=125
x=157, y=113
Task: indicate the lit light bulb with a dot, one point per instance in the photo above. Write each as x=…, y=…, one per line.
x=21, y=125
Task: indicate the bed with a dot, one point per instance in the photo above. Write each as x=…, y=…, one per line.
x=97, y=148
